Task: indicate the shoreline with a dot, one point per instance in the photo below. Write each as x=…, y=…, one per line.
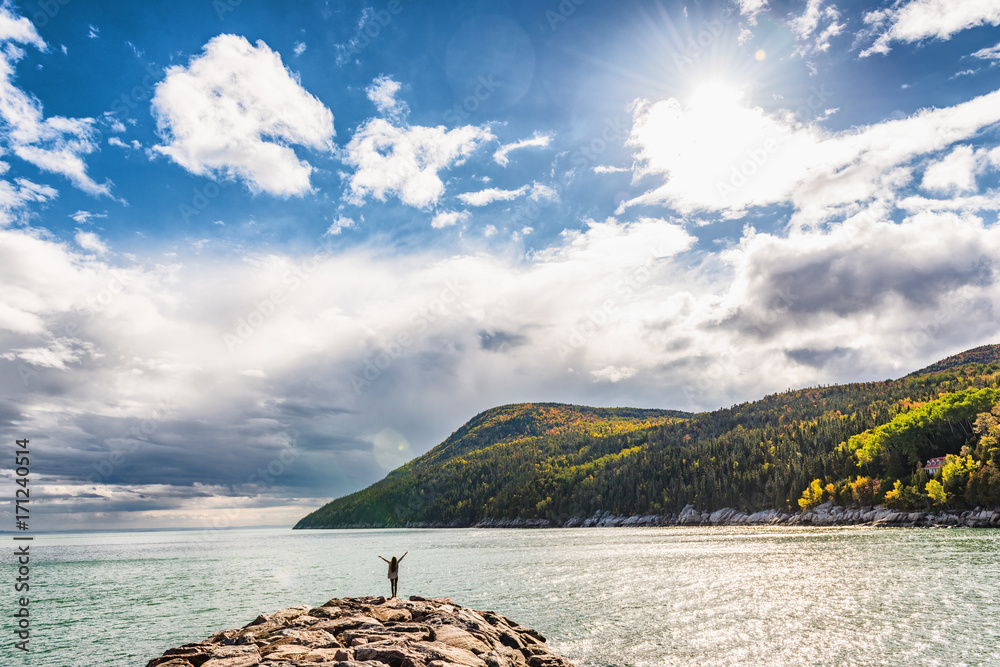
x=823, y=515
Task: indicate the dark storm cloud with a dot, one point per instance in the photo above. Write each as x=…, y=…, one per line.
x=9, y=414
x=233, y=448
x=845, y=285
x=789, y=283
x=304, y=407
x=819, y=358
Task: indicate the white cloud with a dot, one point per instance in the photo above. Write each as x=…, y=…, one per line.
x=19, y=29
x=540, y=192
x=59, y=354
x=84, y=217
x=382, y=93
x=449, y=218
x=718, y=154
x=816, y=26
x=989, y=53
x=340, y=224
x=16, y=195
x=989, y=201
x=134, y=145
x=41, y=279
x=55, y=144
x=489, y=230
x=536, y=191
x=917, y=20
x=490, y=195
x=537, y=141
x=405, y=162
x=300, y=48
x=956, y=172
x=614, y=373
x=606, y=169
x=116, y=125
x=750, y=8
x=93, y=32
x=235, y=111
x=91, y=242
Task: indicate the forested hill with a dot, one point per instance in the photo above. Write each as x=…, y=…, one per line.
x=984, y=354
x=850, y=443
x=498, y=444
x=509, y=423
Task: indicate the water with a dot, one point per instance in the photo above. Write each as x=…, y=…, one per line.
x=653, y=596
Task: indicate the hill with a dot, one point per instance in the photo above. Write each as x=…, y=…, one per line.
x=556, y=462
x=982, y=356
x=487, y=455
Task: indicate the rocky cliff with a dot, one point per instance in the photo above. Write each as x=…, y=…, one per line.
x=371, y=632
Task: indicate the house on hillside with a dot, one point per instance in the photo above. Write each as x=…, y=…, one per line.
x=933, y=465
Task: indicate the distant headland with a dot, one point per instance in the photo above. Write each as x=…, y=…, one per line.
x=923, y=449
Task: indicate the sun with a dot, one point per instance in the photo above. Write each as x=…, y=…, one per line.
x=714, y=95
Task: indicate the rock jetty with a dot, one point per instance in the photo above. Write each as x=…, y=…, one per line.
x=371, y=632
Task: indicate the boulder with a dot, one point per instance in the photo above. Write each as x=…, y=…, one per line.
x=316, y=638
x=234, y=656
x=690, y=516
x=459, y=638
x=721, y=516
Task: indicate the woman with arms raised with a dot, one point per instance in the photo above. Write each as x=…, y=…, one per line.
x=394, y=570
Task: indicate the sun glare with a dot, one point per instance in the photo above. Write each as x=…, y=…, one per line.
x=714, y=95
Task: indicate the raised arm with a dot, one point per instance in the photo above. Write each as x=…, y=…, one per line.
x=402, y=557
x=385, y=560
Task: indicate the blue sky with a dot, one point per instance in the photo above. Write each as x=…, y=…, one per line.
x=255, y=255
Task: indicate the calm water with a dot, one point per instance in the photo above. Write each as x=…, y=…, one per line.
x=655, y=596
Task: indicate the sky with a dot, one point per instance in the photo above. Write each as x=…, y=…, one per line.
x=255, y=254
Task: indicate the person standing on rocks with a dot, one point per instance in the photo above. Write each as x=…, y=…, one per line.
x=394, y=570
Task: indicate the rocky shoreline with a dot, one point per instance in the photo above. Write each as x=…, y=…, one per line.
x=826, y=514
x=823, y=515
x=371, y=632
